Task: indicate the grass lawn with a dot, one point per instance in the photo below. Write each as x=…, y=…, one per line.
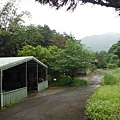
x=104, y=104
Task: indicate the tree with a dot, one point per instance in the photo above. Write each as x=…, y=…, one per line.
x=59, y=40
x=39, y=52
x=102, y=60
x=115, y=49
x=114, y=54
x=11, y=29
x=33, y=36
x=53, y=62
x=47, y=33
x=11, y=40
x=72, y=4
x=70, y=59
x=77, y=57
x=8, y=14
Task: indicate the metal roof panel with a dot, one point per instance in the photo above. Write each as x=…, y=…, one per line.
x=8, y=62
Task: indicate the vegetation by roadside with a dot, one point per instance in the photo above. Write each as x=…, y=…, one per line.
x=64, y=80
x=104, y=104
x=112, y=77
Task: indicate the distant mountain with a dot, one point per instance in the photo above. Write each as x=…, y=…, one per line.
x=101, y=42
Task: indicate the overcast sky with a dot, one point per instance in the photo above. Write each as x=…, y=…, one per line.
x=84, y=21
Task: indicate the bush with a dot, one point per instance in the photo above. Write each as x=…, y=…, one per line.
x=64, y=80
x=50, y=79
x=112, y=77
x=111, y=66
x=77, y=82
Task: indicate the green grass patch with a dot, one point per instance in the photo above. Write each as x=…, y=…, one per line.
x=112, y=77
x=104, y=104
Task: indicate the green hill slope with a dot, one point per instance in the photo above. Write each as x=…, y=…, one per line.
x=101, y=42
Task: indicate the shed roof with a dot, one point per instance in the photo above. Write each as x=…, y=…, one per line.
x=8, y=62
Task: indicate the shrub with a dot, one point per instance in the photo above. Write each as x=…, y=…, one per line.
x=111, y=66
x=50, y=79
x=77, y=82
x=64, y=80
x=112, y=77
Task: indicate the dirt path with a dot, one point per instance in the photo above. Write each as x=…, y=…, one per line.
x=54, y=104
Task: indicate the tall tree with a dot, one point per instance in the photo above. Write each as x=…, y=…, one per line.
x=114, y=54
x=8, y=14
x=47, y=33
x=39, y=52
x=12, y=30
x=33, y=36
x=70, y=59
x=59, y=40
x=115, y=49
x=102, y=59
x=72, y=4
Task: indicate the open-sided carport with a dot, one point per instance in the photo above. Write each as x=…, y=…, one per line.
x=18, y=76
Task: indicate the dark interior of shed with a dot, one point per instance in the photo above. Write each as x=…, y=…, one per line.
x=15, y=77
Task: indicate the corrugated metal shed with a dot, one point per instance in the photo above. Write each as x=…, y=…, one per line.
x=8, y=62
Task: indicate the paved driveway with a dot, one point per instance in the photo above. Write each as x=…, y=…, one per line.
x=54, y=104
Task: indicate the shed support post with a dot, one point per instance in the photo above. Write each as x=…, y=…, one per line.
x=46, y=74
x=26, y=73
x=1, y=94
x=37, y=77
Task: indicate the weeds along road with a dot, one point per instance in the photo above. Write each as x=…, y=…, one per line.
x=56, y=104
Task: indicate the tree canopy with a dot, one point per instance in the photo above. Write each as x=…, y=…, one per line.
x=72, y=4
x=113, y=56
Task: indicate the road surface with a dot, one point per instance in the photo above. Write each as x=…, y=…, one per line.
x=54, y=103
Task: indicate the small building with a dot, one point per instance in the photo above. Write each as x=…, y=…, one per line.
x=19, y=76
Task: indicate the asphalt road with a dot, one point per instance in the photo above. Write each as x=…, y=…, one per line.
x=54, y=104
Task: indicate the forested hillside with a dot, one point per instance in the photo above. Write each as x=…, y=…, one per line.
x=101, y=42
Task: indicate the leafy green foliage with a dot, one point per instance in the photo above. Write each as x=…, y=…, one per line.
x=39, y=52
x=78, y=82
x=59, y=40
x=111, y=66
x=33, y=36
x=115, y=49
x=64, y=80
x=12, y=30
x=104, y=104
x=50, y=79
x=77, y=56
x=101, y=57
x=68, y=60
x=47, y=34
x=114, y=54
x=112, y=77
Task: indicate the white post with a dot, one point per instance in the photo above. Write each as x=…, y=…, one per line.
x=37, y=77
x=26, y=73
x=46, y=73
x=1, y=94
